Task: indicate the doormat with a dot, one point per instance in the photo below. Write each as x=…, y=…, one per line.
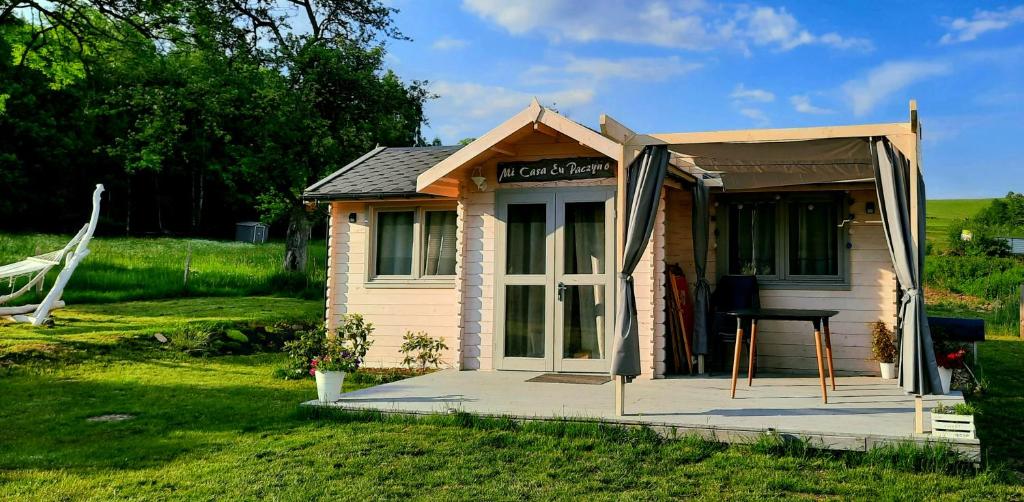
x=570, y=378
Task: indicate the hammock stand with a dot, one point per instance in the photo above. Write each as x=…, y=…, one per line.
x=36, y=267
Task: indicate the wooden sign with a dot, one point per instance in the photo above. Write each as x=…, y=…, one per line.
x=579, y=168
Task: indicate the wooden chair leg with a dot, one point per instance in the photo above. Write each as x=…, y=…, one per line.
x=821, y=368
x=752, y=351
x=736, y=357
x=828, y=352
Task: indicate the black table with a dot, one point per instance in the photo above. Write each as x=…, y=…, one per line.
x=819, y=318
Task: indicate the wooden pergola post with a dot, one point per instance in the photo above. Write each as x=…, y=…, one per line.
x=915, y=232
x=624, y=136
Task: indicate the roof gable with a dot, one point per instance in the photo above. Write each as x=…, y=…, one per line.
x=534, y=116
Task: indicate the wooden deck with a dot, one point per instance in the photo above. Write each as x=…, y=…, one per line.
x=863, y=412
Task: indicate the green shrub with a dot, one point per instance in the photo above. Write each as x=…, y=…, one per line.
x=193, y=339
x=986, y=277
x=422, y=350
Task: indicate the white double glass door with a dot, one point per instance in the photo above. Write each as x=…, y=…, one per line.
x=554, y=296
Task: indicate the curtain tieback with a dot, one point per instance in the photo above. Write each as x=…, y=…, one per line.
x=626, y=277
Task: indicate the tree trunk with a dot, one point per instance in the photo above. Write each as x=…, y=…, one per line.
x=296, y=243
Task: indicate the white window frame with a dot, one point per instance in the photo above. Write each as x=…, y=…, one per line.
x=416, y=279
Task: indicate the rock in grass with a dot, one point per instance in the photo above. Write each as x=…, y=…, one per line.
x=113, y=417
x=237, y=336
x=160, y=337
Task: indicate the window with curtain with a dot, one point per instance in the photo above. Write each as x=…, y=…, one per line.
x=394, y=242
x=413, y=243
x=752, y=238
x=813, y=234
x=791, y=238
x=439, y=243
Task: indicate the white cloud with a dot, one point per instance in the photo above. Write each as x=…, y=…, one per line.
x=888, y=79
x=447, y=43
x=600, y=69
x=467, y=108
x=758, y=116
x=803, y=104
x=965, y=30
x=742, y=94
x=681, y=25
x=767, y=26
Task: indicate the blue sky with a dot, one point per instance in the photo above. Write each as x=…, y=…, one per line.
x=692, y=65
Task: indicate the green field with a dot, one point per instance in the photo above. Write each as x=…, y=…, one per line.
x=120, y=269
x=225, y=428
x=941, y=212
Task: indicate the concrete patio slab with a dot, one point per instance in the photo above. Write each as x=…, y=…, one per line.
x=862, y=412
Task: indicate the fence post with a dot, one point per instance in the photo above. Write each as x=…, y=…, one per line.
x=188, y=264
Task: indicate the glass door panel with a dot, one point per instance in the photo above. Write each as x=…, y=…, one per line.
x=526, y=229
x=583, y=322
x=522, y=306
x=584, y=237
x=524, y=321
x=583, y=306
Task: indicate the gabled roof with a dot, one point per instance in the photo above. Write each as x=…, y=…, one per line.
x=534, y=116
x=383, y=172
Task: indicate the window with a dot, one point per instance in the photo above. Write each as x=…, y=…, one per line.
x=413, y=244
x=787, y=241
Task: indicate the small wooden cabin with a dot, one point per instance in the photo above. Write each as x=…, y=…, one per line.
x=506, y=247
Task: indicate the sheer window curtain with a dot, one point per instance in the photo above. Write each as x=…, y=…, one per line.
x=439, y=256
x=587, y=224
x=394, y=242
x=525, y=251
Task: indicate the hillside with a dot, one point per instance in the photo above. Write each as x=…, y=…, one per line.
x=942, y=212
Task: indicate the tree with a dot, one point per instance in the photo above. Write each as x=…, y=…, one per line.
x=263, y=94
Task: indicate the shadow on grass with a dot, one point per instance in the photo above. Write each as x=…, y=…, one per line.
x=45, y=424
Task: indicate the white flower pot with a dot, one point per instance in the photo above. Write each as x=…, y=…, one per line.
x=328, y=385
x=946, y=376
x=888, y=370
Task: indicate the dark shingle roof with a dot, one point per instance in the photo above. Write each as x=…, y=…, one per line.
x=383, y=172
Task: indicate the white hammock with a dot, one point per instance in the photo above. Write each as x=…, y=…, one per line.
x=36, y=268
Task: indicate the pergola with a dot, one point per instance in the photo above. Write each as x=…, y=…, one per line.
x=760, y=158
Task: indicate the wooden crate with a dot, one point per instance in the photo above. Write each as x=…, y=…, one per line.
x=953, y=426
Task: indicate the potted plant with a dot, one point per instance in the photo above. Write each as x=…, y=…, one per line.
x=948, y=360
x=330, y=367
x=883, y=346
x=334, y=355
x=954, y=421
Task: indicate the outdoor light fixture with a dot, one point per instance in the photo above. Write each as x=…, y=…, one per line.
x=352, y=217
x=869, y=207
x=479, y=180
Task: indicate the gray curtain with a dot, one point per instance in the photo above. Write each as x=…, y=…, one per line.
x=919, y=374
x=644, y=180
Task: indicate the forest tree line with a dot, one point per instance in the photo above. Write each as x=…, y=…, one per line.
x=194, y=114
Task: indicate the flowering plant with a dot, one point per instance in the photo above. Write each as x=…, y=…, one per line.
x=953, y=359
x=336, y=356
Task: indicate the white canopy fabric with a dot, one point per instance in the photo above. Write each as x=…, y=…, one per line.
x=783, y=163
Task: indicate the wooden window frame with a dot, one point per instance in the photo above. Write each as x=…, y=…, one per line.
x=416, y=279
x=783, y=279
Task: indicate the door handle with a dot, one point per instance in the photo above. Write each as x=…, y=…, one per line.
x=561, y=291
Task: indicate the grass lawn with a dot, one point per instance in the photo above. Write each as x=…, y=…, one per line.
x=941, y=212
x=225, y=428
x=120, y=269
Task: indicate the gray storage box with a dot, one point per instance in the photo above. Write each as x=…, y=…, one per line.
x=251, y=231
